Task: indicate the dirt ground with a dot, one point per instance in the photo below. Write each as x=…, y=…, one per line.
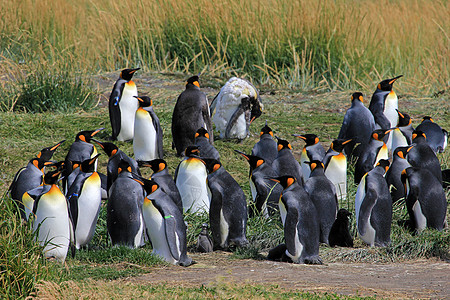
x=424, y=279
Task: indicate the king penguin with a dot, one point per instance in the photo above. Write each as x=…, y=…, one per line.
x=393, y=175
x=190, y=178
x=237, y=104
x=373, y=207
x=300, y=222
x=322, y=193
x=85, y=198
x=436, y=136
x=204, y=241
x=402, y=134
x=228, y=211
x=425, y=199
x=51, y=219
x=285, y=163
x=313, y=150
x=358, y=124
x=123, y=105
x=266, y=147
x=265, y=192
x=148, y=134
x=124, y=210
x=335, y=164
x=384, y=106
x=191, y=112
x=165, y=225
x=206, y=149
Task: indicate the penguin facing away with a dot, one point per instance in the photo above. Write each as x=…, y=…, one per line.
x=436, y=136
x=266, y=147
x=393, y=175
x=123, y=105
x=335, y=164
x=165, y=225
x=373, y=207
x=339, y=233
x=148, y=134
x=313, y=150
x=228, y=211
x=285, y=163
x=425, y=199
x=191, y=112
x=206, y=149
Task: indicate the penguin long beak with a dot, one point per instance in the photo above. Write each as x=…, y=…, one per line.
x=394, y=79
x=347, y=141
x=99, y=143
x=300, y=136
x=57, y=145
x=243, y=154
x=97, y=131
x=134, y=70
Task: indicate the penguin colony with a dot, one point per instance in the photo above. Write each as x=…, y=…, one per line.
x=305, y=192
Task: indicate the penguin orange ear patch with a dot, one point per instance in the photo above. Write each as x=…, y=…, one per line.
x=119, y=170
x=83, y=138
x=316, y=140
x=154, y=188
x=113, y=152
x=207, y=135
x=290, y=181
x=414, y=135
x=379, y=86
x=361, y=98
x=261, y=133
x=289, y=146
x=271, y=133
x=196, y=135
x=375, y=136
x=313, y=166
x=162, y=166
x=129, y=169
x=196, y=83
x=259, y=162
x=400, y=154
x=216, y=167
x=280, y=147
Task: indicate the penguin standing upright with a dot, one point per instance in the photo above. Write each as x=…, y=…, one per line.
x=322, y=193
x=205, y=148
x=237, y=104
x=358, y=124
x=313, y=150
x=371, y=154
x=191, y=112
x=300, y=222
x=436, y=136
x=340, y=233
x=266, y=147
x=52, y=219
x=384, y=106
x=164, y=180
x=402, y=134
x=373, y=207
x=204, y=241
x=148, y=134
x=393, y=175
x=124, y=210
x=85, y=198
x=228, y=211
x=165, y=225
x=265, y=192
x=123, y=105
x=285, y=163
x=425, y=199
x=335, y=164
x=190, y=178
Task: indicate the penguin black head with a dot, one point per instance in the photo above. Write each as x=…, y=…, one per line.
x=157, y=165
x=315, y=164
x=40, y=163
x=75, y=164
x=192, y=151
x=88, y=165
x=257, y=109
x=51, y=177
x=254, y=161
x=402, y=151
x=285, y=181
x=144, y=101
x=193, y=81
x=427, y=118
x=386, y=85
x=127, y=74
x=358, y=97
x=338, y=145
x=310, y=139
x=47, y=153
x=87, y=135
x=109, y=148
x=379, y=134
x=202, y=132
x=266, y=130
x=384, y=163
x=212, y=164
x=283, y=144
x=403, y=119
x=418, y=136
x=123, y=166
x=343, y=214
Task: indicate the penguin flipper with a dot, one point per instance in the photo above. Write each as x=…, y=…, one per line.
x=207, y=120
x=14, y=182
x=159, y=133
x=171, y=236
x=212, y=106
x=290, y=231
x=365, y=211
x=381, y=120
x=114, y=110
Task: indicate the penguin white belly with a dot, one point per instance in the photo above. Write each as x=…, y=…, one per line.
x=89, y=202
x=398, y=139
x=52, y=220
x=359, y=197
x=390, y=111
x=191, y=183
x=336, y=172
x=128, y=106
x=156, y=229
x=306, y=170
x=298, y=248
x=145, y=138
x=94, y=153
x=382, y=154
x=283, y=211
x=421, y=220
x=224, y=229
x=239, y=130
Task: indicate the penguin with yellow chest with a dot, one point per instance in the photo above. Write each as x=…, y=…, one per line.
x=335, y=165
x=123, y=105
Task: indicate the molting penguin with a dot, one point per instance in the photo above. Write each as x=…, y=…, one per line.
x=335, y=164
x=402, y=134
x=148, y=134
x=322, y=193
x=265, y=192
x=228, y=211
x=85, y=198
x=384, y=106
x=313, y=150
x=373, y=207
x=123, y=106
x=285, y=163
x=191, y=112
x=266, y=147
x=300, y=222
x=371, y=154
x=358, y=124
x=393, y=175
x=204, y=241
x=204, y=146
x=124, y=210
x=425, y=199
x=190, y=178
x=236, y=105
x=165, y=225
x=340, y=232
x=436, y=136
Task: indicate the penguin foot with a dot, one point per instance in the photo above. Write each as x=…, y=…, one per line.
x=316, y=260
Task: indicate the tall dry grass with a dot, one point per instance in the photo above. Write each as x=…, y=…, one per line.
x=299, y=44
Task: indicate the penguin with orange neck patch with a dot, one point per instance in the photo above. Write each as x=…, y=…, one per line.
x=335, y=165
x=123, y=105
x=191, y=112
x=266, y=147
